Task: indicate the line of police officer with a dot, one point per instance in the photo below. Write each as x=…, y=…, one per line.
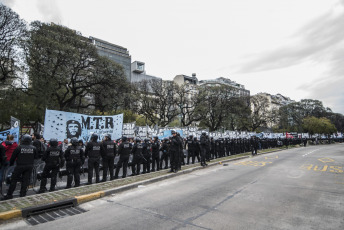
x=143, y=152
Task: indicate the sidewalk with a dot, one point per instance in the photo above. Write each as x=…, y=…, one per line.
x=19, y=207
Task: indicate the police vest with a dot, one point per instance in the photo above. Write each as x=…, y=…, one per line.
x=75, y=153
x=53, y=156
x=94, y=151
x=125, y=149
x=110, y=148
x=26, y=155
x=138, y=149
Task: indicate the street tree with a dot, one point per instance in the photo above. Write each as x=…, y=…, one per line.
x=219, y=101
x=155, y=100
x=12, y=31
x=314, y=125
x=189, y=102
x=66, y=71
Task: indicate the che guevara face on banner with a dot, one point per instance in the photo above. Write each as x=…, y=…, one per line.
x=73, y=128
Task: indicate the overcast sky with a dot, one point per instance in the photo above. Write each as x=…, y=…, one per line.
x=292, y=47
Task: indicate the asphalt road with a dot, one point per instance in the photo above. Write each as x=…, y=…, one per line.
x=299, y=188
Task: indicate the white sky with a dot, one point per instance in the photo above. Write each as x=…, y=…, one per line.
x=292, y=47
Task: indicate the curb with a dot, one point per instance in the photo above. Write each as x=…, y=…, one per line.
x=10, y=215
x=89, y=197
x=96, y=195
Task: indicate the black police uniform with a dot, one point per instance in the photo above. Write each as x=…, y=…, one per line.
x=25, y=155
x=175, y=153
x=197, y=149
x=137, y=158
x=203, y=145
x=191, y=150
x=165, y=153
x=74, y=156
x=124, y=150
x=147, y=155
x=155, y=155
x=108, y=157
x=54, y=160
x=93, y=151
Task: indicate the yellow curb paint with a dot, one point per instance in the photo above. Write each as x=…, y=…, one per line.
x=10, y=214
x=88, y=197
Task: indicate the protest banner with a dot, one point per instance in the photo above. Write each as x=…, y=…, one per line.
x=63, y=125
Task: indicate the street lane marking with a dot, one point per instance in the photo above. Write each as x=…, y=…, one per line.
x=326, y=160
x=271, y=157
x=253, y=163
x=310, y=152
x=324, y=168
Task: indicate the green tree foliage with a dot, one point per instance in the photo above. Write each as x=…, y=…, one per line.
x=155, y=100
x=261, y=113
x=219, y=102
x=291, y=117
x=322, y=125
x=66, y=71
x=189, y=102
x=12, y=31
x=338, y=120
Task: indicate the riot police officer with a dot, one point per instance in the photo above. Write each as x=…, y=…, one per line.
x=25, y=154
x=254, y=145
x=74, y=156
x=146, y=155
x=124, y=150
x=54, y=160
x=137, y=157
x=108, y=157
x=155, y=154
x=197, y=150
x=174, y=152
x=203, y=146
x=191, y=149
x=181, y=152
x=164, y=149
x=93, y=151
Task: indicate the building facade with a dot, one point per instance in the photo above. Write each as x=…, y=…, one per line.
x=116, y=53
x=138, y=73
x=240, y=89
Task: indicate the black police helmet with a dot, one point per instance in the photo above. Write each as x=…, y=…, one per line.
x=94, y=137
x=173, y=132
x=137, y=139
x=124, y=138
x=26, y=139
x=74, y=141
x=108, y=135
x=53, y=142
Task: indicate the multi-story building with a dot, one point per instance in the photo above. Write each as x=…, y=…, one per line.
x=272, y=103
x=184, y=79
x=138, y=73
x=115, y=53
x=240, y=89
x=275, y=101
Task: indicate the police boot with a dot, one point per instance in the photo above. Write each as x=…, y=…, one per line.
x=42, y=190
x=7, y=197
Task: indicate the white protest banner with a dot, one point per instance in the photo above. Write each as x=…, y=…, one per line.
x=63, y=125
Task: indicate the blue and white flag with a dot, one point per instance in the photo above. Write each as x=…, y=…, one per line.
x=62, y=125
x=14, y=132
